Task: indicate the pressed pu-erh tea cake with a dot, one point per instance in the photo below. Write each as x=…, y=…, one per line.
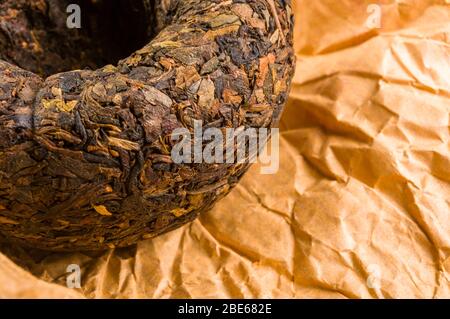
x=86, y=132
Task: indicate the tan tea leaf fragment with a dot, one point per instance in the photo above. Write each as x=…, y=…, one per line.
x=102, y=210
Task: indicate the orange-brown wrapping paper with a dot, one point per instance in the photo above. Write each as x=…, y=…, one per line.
x=360, y=207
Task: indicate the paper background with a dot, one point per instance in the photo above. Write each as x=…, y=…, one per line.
x=360, y=205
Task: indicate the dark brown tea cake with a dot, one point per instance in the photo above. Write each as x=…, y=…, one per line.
x=86, y=148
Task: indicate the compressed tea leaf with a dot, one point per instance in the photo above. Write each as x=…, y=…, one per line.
x=86, y=154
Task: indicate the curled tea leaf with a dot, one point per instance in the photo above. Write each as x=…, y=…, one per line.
x=124, y=144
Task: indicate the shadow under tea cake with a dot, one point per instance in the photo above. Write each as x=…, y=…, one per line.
x=86, y=142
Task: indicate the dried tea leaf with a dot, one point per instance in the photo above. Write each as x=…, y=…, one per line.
x=210, y=66
x=196, y=200
x=134, y=60
x=167, y=63
x=70, y=105
x=99, y=89
x=187, y=55
x=124, y=144
x=264, y=64
x=27, y=94
x=279, y=87
x=260, y=96
x=213, y=34
x=163, y=44
x=246, y=13
x=4, y=220
x=117, y=99
x=206, y=93
x=155, y=96
x=243, y=10
x=109, y=68
x=223, y=19
x=178, y=212
x=275, y=37
x=258, y=107
x=102, y=210
x=57, y=92
x=231, y=97
x=186, y=76
x=60, y=105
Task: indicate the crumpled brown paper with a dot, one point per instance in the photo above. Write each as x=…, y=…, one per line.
x=360, y=207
